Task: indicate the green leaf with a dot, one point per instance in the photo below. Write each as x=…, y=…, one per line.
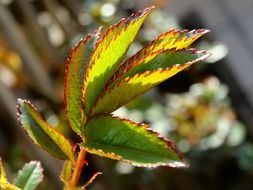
x=171, y=40
x=108, y=54
x=30, y=176
x=43, y=134
x=145, y=75
x=66, y=172
x=74, y=77
x=121, y=139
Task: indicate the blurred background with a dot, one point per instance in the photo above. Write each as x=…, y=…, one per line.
x=206, y=110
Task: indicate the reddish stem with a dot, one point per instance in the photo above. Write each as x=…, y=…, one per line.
x=78, y=168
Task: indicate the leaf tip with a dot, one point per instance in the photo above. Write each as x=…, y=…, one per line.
x=204, y=31
x=176, y=164
x=20, y=103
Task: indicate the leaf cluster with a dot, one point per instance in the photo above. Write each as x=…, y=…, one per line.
x=99, y=80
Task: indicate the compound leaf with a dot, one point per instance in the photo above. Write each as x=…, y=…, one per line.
x=29, y=176
x=145, y=75
x=108, y=54
x=135, y=143
x=43, y=134
x=74, y=77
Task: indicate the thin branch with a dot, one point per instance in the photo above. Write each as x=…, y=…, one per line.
x=78, y=168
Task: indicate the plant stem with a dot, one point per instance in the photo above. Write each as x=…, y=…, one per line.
x=78, y=168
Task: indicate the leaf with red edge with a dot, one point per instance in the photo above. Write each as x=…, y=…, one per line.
x=173, y=39
x=135, y=143
x=74, y=77
x=42, y=133
x=148, y=73
x=108, y=54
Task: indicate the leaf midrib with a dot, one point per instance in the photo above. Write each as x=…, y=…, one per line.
x=29, y=178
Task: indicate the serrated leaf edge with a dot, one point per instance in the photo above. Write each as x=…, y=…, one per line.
x=129, y=63
x=41, y=117
x=170, y=145
x=126, y=21
x=74, y=49
x=37, y=165
x=107, y=88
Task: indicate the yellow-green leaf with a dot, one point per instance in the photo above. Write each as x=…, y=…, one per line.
x=108, y=54
x=74, y=77
x=8, y=186
x=173, y=39
x=42, y=133
x=2, y=172
x=124, y=140
x=144, y=76
x=4, y=184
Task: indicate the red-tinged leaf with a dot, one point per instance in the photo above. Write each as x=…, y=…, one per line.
x=170, y=40
x=42, y=133
x=108, y=54
x=135, y=143
x=74, y=77
x=144, y=76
